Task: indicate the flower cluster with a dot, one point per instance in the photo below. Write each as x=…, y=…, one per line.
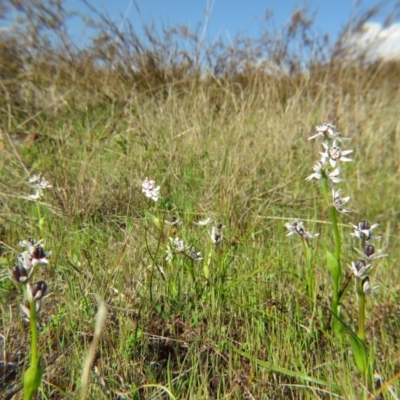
x=297, y=227
x=39, y=184
x=178, y=246
x=216, y=234
x=150, y=189
x=361, y=269
x=331, y=157
x=22, y=273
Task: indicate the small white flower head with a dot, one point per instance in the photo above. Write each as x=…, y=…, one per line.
x=360, y=269
x=331, y=175
x=195, y=256
x=20, y=274
x=366, y=286
x=38, y=290
x=38, y=181
x=178, y=245
x=173, y=221
x=150, y=189
x=216, y=235
x=333, y=153
x=34, y=255
x=25, y=308
x=317, y=167
x=39, y=184
x=203, y=222
x=297, y=227
x=328, y=131
x=339, y=202
x=363, y=230
x=37, y=195
x=370, y=254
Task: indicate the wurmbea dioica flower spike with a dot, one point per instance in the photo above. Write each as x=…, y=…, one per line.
x=34, y=293
x=39, y=184
x=150, y=189
x=327, y=171
x=297, y=227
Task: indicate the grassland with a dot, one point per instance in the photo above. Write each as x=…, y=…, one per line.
x=237, y=324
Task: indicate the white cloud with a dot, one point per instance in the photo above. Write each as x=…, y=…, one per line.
x=375, y=43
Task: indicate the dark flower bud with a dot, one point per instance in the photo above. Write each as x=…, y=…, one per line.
x=20, y=274
x=366, y=285
x=219, y=226
x=38, y=253
x=369, y=250
x=38, y=290
x=360, y=264
x=364, y=225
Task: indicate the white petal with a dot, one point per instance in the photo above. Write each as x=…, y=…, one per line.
x=346, y=159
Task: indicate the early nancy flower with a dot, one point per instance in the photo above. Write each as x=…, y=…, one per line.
x=216, y=235
x=34, y=255
x=195, y=255
x=363, y=230
x=360, y=269
x=339, y=202
x=179, y=245
x=20, y=274
x=333, y=153
x=297, y=227
x=370, y=254
x=150, y=189
x=173, y=221
x=366, y=286
x=39, y=184
x=328, y=131
x=203, y=222
x=36, y=291
x=331, y=175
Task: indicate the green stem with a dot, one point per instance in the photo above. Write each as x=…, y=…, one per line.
x=333, y=218
x=33, y=324
x=310, y=271
x=361, y=311
x=39, y=214
x=34, y=332
x=336, y=309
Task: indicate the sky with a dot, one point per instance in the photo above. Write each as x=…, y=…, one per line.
x=228, y=18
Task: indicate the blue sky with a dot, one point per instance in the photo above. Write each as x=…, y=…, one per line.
x=228, y=18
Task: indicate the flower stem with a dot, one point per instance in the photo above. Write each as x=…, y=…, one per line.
x=361, y=310
x=336, y=277
x=33, y=375
x=310, y=271
x=33, y=325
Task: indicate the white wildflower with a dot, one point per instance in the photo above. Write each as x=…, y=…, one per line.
x=363, y=231
x=339, y=202
x=333, y=153
x=150, y=189
x=203, y=222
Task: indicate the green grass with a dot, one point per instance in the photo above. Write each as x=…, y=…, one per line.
x=238, y=324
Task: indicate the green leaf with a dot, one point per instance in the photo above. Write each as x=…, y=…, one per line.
x=288, y=372
x=32, y=379
x=333, y=266
x=360, y=353
x=156, y=221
